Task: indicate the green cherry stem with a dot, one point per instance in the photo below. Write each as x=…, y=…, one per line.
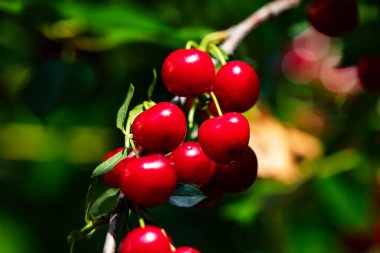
x=72, y=247
x=140, y=217
x=134, y=147
x=218, y=53
x=191, y=114
x=215, y=37
x=216, y=103
x=166, y=235
x=191, y=44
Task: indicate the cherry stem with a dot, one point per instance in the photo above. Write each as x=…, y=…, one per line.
x=166, y=235
x=72, y=247
x=190, y=44
x=214, y=48
x=127, y=132
x=140, y=216
x=190, y=117
x=134, y=147
x=215, y=37
x=216, y=103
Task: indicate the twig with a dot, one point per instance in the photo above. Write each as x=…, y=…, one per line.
x=114, y=223
x=238, y=32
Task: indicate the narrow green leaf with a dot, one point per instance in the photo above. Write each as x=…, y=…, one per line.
x=104, y=203
x=135, y=111
x=122, y=112
x=152, y=85
x=186, y=195
x=108, y=165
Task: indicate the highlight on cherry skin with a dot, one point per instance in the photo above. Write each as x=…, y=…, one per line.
x=148, y=239
x=148, y=180
x=225, y=138
x=188, y=72
x=160, y=129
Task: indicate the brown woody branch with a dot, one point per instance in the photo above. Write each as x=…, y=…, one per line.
x=238, y=32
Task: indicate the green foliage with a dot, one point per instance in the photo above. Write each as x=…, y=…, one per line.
x=108, y=164
x=65, y=67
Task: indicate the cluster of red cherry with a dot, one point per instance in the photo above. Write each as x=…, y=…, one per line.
x=164, y=153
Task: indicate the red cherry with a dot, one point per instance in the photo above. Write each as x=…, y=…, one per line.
x=148, y=180
x=191, y=164
x=224, y=139
x=333, y=17
x=236, y=86
x=188, y=72
x=149, y=239
x=369, y=72
x=186, y=249
x=160, y=129
x=237, y=176
x=111, y=178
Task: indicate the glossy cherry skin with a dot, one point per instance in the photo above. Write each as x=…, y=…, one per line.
x=236, y=86
x=149, y=180
x=237, y=176
x=149, y=239
x=111, y=178
x=224, y=139
x=333, y=17
x=191, y=164
x=188, y=72
x=160, y=129
x=186, y=249
x=369, y=72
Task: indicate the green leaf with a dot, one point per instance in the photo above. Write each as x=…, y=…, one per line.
x=135, y=112
x=152, y=85
x=122, y=112
x=108, y=165
x=104, y=203
x=186, y=195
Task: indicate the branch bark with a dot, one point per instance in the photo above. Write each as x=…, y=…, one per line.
x=238, y=32
x=114, y=224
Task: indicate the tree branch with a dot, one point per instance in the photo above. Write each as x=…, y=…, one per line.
x=114, y=223
x=238, y=32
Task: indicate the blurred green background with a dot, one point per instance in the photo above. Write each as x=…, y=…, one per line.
x=65, y=67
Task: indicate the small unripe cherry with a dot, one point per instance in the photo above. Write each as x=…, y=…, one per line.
x=160, y=129
x=224, y=139
x=186, y=249
x=236, y=86
x=149, y=239
x=237, y=176
x=369, y=72
x=333, y=17
x=148, y=180
x=191, y=164
x=188, y=72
